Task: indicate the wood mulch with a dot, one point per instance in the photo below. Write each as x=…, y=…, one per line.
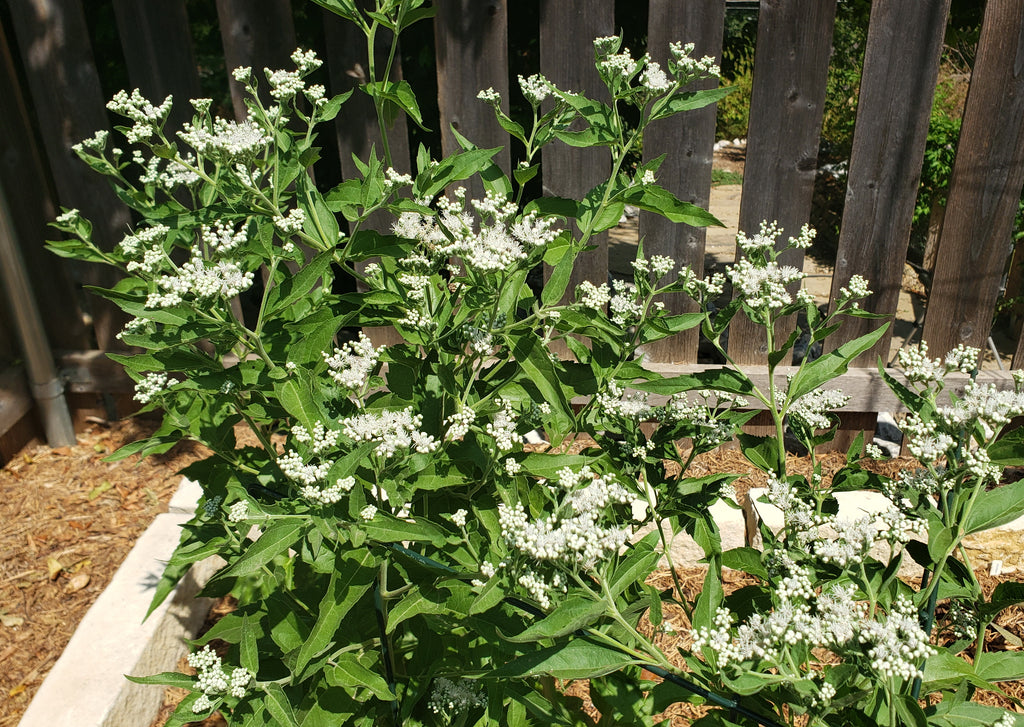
x=67, y=521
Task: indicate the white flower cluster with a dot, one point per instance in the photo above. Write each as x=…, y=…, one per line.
x=917, y=367
x=856, y=288
x=654, y=78
x=925, y=440
x=699, y=413
x=659, y=265
x=296, y=469
x=459, y=517
x=574, y=534
x=226, y=141
x=291, y=223
x=213, y=681
x=493, y=244
x=701, y=290
x=222, y=237
x=134, y=326
x=460, y=423
x=490, y=96
x=151, y=386
x=615, y=402
x=391, y=430
x=687, y=68
x=452, y=697
x=985, y=404
x=319, y=439
x=897, y=646
x=148, y=241
x=196, y=279
x=624, y=307
x=812, y=408
x=238, y=511
x=535, y=89
x=147, y=117
x=894, y=642
x=763, y=285
x=351, y=365
x=330, y=494
x=503, y=426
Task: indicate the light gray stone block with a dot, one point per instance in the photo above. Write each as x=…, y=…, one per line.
x=185, y=497
x=87, y=685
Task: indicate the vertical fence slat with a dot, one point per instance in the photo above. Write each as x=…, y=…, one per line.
x=567, y=32
x=985, y=188
x=157, y=49
x=901, y=64
x=256, y=33
x=688, y=140
x=30, y=199
x=794, y=40
x=69, y=105
x=356, y=126
x=472, y=54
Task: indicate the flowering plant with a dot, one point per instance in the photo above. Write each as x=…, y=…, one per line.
x=415, y=562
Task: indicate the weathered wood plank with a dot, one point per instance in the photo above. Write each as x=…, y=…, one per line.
x=15, y=399
x=157, y=47
x=30, y=202
x=688, y=141
x=69, y=106
x=471, y=38
x=259, y=34
x=794, y=41
x=985, y=187
x=567, y=32
x=901, y=63
x=356, y=128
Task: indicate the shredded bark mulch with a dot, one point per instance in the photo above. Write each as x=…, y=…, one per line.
x=67, y=521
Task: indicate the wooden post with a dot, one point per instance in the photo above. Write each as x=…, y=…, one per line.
x=567, y=32
x=901, y=65
x=69, y=106
x=794, y=41
x=157, y=48
x=472, y=55
x=985, y=188
x=30, y=198
x=259, y=34
x=688, y=139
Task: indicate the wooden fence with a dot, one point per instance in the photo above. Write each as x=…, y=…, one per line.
x=50, y=98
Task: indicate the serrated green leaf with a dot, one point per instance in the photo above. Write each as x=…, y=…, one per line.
x=275, y=540
x=577, y=659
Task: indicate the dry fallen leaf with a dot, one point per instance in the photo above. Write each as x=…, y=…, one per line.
x=77, y=582
x=53, y=567
x=100, y=489
x=10, y=620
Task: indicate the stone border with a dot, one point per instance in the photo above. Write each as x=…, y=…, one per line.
x=87, y=685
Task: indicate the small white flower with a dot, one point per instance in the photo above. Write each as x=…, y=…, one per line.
x=368, y=513
x=459, y=517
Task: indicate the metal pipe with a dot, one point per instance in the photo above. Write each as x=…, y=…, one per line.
x=47, y=388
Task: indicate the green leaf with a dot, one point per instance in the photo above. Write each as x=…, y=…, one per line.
x=727, y=380
x=577, y=659
x=747, y=560
x=1000, y=666
x=294, y=287
x=453, y=169
x=490, y=596
x=348, y=672
x=657, y=199
x=689, y=100
x=275, y=540
x=575, y=612
x=996, y=507
x=561, y=274
x=353, y=575
x=762, y=452
x=167, y=679
x=385, y=528
x=642, y=559
x=812, y=375
x=296, y=396
x=279, y=706
x=1008, y=450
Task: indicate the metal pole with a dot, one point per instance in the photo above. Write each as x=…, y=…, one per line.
x=47, y=388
